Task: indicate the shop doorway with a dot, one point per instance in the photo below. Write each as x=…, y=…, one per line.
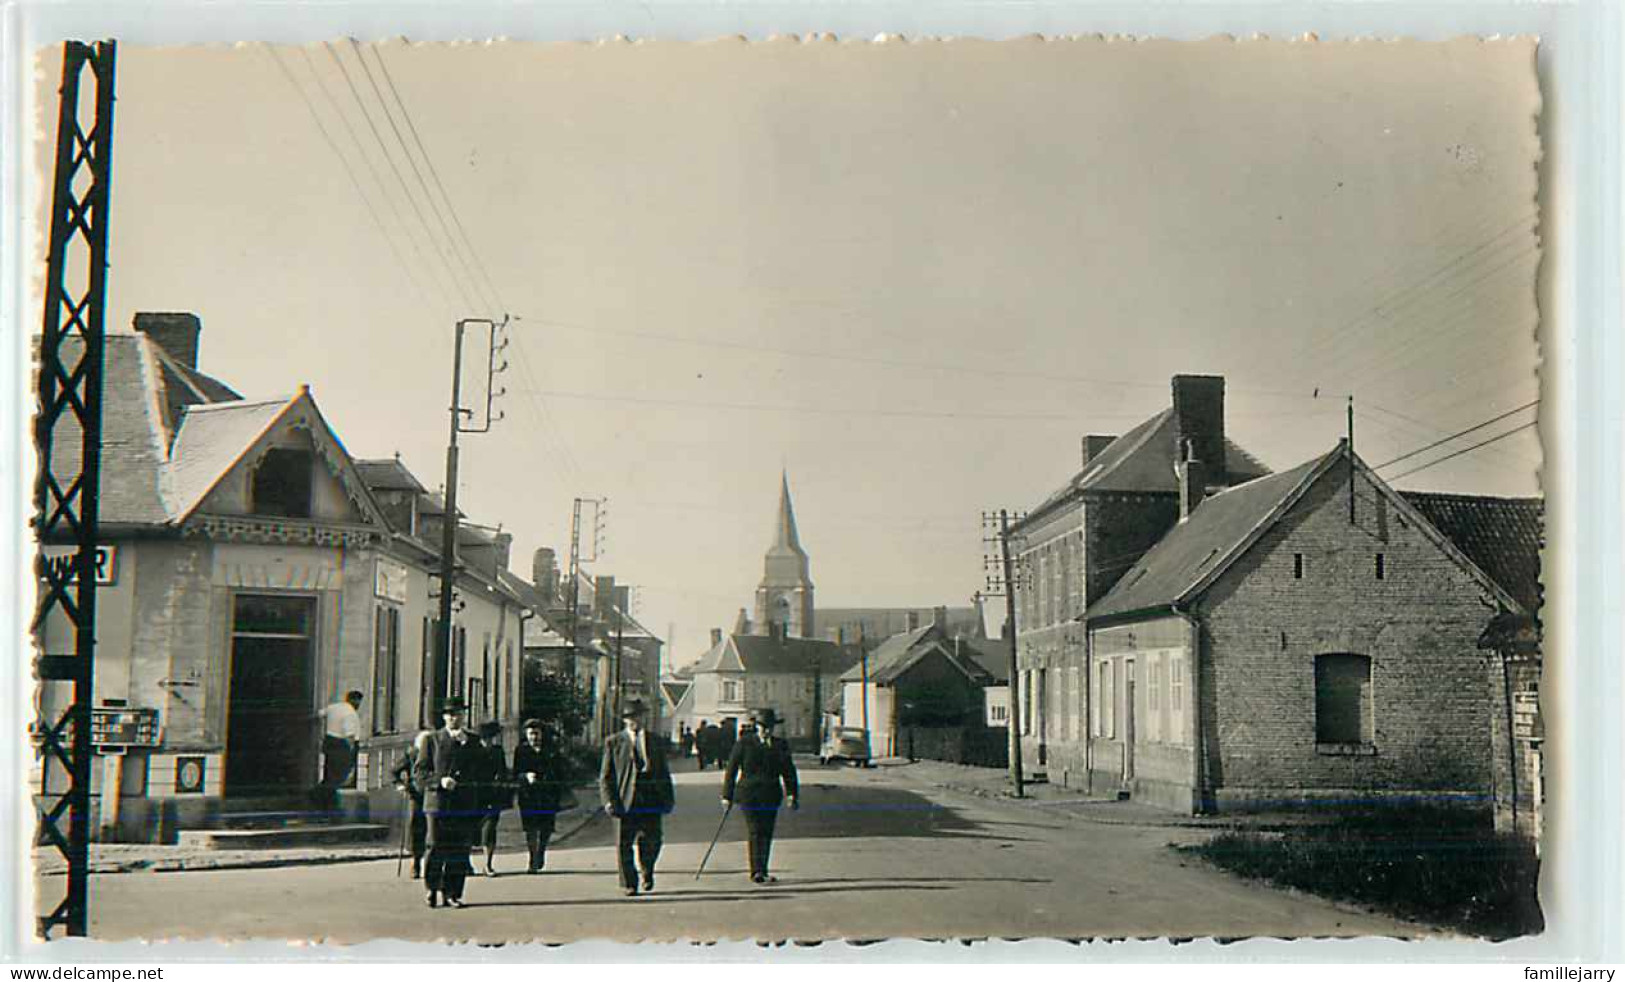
x=270, y=700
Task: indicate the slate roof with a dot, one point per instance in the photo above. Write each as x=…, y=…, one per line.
x=1226, y=525
x=780, y=656
x=388, y=474
x=1203, y=542
x=901, y=652
x=674, y=691
x=1502, y=536
x=211, y=439
x=1143, y=460
x=992, y=656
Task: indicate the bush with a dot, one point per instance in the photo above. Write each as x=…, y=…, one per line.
x=1435, y=865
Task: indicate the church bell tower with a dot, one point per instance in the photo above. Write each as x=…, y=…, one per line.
x=784, y=600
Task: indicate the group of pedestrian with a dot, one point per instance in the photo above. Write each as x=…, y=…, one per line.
x=460, y=783
x=713, y=744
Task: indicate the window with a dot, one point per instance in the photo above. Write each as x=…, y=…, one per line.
x=386, y=669
x=1108, y=699
x=1343, y=700
x=1379, y=566
x=476, y=701
x=998, y=713
x=1076, y=713
x=1176, y=700
x=730, y=690
x=1153, y=697
x=1297, y=566
x=282, y=484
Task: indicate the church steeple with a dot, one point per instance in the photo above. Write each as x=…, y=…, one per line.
x=785, y=596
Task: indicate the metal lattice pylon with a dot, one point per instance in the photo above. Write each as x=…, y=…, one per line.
x=67, y=490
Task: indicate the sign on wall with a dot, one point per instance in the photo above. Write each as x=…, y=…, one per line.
x=390, y=581
x=124, y=727
x=61, y=563
x=190, y=773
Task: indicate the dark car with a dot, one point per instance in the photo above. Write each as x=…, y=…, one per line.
x=845, y=743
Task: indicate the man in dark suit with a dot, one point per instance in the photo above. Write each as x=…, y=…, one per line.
x=761, y=775
x=635, y=785
x=542, y=780
x=450, y=771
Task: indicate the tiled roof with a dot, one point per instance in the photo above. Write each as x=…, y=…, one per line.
x=760, y=653
x=1204, y=542
x=1143, y=460
x=1502, y=536
x=211, y=439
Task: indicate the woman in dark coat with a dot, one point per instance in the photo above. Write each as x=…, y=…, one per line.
x=539, y=774
x=496, y=792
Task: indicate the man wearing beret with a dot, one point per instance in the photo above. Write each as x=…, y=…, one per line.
x=635, y=785
x=761, y=775
x=450, y=772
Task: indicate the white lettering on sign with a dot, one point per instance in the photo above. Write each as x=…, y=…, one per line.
x=390, y=582
x=61, y=564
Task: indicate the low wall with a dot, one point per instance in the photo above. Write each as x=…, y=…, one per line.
x=978, y=746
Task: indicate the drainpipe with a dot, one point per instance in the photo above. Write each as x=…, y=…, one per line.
x=1193, y=643
x=1088, y=708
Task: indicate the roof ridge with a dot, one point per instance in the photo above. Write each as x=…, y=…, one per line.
x=241, y=404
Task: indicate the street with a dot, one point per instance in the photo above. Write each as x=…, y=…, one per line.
x=870, y=855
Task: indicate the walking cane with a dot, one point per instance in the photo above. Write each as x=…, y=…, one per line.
x=726, y=812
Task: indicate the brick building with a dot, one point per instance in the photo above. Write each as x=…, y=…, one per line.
x=1077, y=543
x=1309, y=635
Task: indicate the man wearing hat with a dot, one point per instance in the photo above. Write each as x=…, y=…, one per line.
x=450, y=772
x=761, y=775
x=635, y=785
x=539, y=775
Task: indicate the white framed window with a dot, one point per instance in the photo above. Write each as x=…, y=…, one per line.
x=1108, y=699
x=730, y=690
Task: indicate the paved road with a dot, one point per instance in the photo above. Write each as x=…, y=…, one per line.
x=870, y=855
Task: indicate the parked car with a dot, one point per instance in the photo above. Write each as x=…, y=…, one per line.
x=845, y=743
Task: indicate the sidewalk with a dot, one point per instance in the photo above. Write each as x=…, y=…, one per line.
x=114, y=857
x=994, y=784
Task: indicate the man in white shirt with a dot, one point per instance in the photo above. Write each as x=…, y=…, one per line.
x=341, y=732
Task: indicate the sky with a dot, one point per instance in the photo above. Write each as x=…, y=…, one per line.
x=909, y=275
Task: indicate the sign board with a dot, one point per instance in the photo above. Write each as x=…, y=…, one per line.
x=390, y=581
x=1526, y=723
x=61, y=562
x=124, y=727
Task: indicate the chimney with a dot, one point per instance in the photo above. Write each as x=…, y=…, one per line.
x=939, y=617
x=1199, y=423
x=504, y=549
x=1192, y=476
x=603, y=595
x=716, y=636
x=1093, y=445
x=623, y=599
x=544, y=573
x=913, y=620
x=176, y=333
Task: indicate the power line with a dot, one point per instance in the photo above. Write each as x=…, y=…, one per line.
x=1458, y=453
x=1453, y=436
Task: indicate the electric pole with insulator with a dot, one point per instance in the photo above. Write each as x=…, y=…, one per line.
x=1001, y=581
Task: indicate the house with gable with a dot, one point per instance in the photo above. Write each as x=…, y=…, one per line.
x=796, y=677
x=920, y=678
x=1303, y=637
x=253, y=576
x=1080, y=540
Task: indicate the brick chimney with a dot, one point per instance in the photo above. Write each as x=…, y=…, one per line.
x=913, y=620
x=1093, y=445
x=1199, y=423
x=544, y=573
x=603, y=596
x=1192, y=477
x=176, y=333
x=504, y=549
x=939, y=617
x=716, y=636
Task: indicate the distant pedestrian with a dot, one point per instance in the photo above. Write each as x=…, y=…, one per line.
x=635, y=785
x=705, y=742
x=685, y=740
x=761, y=776
x=449, y=771
x=341, y=735
x=406, y=784
x=496, y=793
x=539, y=774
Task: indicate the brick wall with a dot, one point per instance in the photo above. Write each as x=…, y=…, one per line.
x=1263, y=627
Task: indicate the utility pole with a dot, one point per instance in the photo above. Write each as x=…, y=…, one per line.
x=574, y=592
x=67, y=488
x=863, y=656
x=444, y=685
x=1003, y=581
x=1351, y=459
